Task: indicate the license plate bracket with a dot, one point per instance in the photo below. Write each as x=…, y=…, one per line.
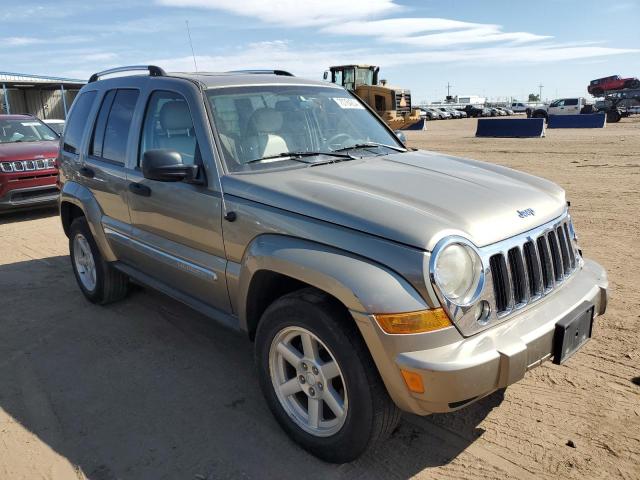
x=572, y=332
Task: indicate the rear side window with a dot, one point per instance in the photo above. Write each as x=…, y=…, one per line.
x=77, y=121
x=111, y=130
x=571, y=102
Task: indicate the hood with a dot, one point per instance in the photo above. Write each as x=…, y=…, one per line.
x=28, y=150
x=414, y=198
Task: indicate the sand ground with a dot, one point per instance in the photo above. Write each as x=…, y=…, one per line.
x=148, y=389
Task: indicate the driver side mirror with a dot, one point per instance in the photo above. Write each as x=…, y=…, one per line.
x=166, y=166
x=401, y=136
x=326, y=75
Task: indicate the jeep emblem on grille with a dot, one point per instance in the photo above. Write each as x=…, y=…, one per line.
x=527, y=212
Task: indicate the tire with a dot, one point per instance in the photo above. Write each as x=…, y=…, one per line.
x=100, y=283
x=369, y=413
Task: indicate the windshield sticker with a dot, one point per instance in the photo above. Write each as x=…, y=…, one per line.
x=348, y=103
x=29, y=124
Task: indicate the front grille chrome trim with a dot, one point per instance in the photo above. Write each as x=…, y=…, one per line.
x=545, y=255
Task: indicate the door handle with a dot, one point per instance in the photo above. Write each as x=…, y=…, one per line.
x=140, y=189
x=87, y=172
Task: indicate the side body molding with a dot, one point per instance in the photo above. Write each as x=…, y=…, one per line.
x=360, y=284
x=82, y=197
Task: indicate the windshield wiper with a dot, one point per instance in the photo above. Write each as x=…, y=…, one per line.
x=298, y=156
x=370, y=144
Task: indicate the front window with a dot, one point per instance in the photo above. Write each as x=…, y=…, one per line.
x=262, y=127
x=25, y=130
x=364, y=76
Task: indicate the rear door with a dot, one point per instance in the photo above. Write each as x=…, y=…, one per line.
x=177, y=226
x=104, y=166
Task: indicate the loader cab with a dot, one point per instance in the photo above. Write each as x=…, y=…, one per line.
x=352, y=76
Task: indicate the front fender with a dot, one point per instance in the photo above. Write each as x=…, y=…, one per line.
x=360, y=284
x=81, y=197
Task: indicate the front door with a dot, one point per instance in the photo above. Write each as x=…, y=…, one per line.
x=177, y=226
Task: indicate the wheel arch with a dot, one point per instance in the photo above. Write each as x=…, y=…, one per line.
x=77, y=200
x=274, y=265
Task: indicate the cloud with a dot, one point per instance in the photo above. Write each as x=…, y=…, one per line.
x=293, y=12
x=19, y=41
x=311, y=61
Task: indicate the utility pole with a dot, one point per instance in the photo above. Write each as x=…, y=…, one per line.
x=540, y=94
x=449, y=89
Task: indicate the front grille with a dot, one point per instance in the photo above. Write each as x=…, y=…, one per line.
x=529, y=268
x=27, y=165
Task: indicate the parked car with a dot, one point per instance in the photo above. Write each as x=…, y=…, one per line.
x=519, y=107
x=444, y=114
x=451, y=111
x=55, y=124
x=371, y=277
x=28, y=151
x=487, y=112
x=472, y=111
x=599, y=86
x=507, y=111
x=428, y=113
x=563, y=106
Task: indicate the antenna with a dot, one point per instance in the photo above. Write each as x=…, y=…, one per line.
x=191, y=44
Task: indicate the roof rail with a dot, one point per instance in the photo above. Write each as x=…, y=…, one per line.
x=283, y=73
x=152, y=69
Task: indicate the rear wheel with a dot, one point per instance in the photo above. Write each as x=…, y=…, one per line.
x=98, y=280
x=319, y=379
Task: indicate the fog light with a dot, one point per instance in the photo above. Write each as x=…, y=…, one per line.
x=482, y=311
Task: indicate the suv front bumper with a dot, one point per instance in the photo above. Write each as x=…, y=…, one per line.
x=467, y=369
x=34, y=196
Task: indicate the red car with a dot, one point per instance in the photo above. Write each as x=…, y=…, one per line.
x=599, y=86
x=28, y=173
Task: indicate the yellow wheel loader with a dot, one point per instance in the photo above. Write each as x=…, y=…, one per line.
x=392, y=104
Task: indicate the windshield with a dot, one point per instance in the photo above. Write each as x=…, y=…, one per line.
x=259, y=126
x=25, y=130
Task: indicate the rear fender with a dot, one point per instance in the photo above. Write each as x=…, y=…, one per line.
x=82, y=197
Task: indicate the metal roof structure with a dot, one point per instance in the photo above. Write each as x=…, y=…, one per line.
x=11, y=79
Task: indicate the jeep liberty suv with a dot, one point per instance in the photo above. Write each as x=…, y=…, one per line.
x=372, y=278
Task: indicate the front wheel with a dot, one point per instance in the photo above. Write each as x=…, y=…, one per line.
x=319, y=379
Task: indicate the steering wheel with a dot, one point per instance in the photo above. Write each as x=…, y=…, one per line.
x=340, y=140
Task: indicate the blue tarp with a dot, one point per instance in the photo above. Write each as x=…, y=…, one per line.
x=587, y=120
x=419, y=125
x=510, y=127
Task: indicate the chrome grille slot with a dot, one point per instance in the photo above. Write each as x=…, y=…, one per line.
x=502, y=289
x=545, y=262
x=572, y=255
x=518, y=277
x=556, y=257
x=534, y=273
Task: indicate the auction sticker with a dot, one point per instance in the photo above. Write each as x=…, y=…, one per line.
x=348, y=103
x=30, y=124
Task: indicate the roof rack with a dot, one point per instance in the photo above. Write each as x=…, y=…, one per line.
x=152, y=69
x=283, y=73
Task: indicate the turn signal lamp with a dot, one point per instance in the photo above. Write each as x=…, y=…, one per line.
x=413, y=322
x=413, y=381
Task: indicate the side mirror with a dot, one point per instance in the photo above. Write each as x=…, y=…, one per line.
x=401, y=136
x=326, y=75
x=167, y=166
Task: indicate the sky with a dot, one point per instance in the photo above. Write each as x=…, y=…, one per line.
x=498, y=49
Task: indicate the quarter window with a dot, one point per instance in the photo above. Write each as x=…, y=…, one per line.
x=168, y=125
x=77, y=121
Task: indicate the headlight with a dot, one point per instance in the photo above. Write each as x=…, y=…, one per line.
x=457, y=272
